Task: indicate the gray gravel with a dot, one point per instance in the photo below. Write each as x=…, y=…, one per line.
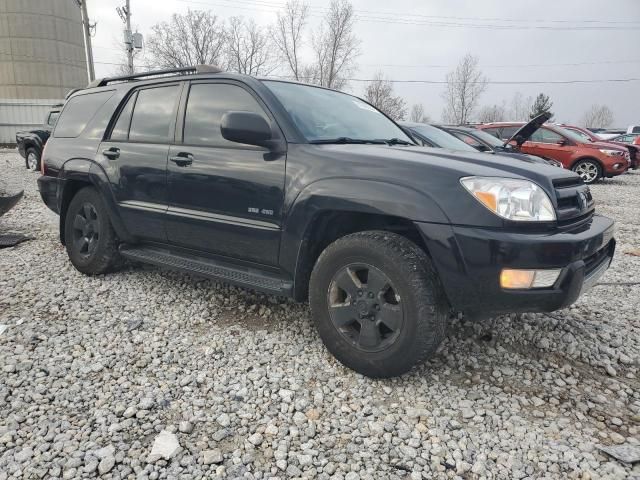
x=95, y=371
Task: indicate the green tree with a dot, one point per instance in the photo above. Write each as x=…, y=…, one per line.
x=542, y=104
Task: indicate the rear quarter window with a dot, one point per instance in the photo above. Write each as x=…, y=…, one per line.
x=78, y=112
x=52, y=117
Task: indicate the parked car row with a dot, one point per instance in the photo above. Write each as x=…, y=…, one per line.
x=564, y=146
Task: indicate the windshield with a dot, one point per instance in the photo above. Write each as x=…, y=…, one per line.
x=583, y=136
x=488, y=138
x=441, y=138
x=323, y=114
x=571, y=134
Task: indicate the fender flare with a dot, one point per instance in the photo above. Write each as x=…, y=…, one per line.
x=90, y=172
x=341, y=194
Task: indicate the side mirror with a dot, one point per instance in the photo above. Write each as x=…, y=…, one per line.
x=246, y=127
x=561, y=142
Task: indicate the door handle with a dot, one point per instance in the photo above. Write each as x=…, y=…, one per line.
x=111, y=153
x=182, y=159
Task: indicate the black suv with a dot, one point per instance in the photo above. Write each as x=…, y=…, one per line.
x=306, y=192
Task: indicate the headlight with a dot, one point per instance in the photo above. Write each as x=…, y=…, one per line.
x=612, y=153
x=510, y=198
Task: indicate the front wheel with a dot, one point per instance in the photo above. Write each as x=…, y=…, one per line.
x=377, y=303
x=589, y=170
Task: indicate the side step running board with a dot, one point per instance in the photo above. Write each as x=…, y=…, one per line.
x=206, y=267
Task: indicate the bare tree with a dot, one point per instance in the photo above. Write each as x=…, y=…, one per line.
x=335, y=46
x=598, y=116
x=287, y=36
x=197, y=37
x=465, y=84
x=520, y=107
x=418, y=115
x=379, y=93
x=249, y=48
x=492, y=113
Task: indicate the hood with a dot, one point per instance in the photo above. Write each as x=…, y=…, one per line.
x=607, y=145
x=406, y=165
x=528, y=129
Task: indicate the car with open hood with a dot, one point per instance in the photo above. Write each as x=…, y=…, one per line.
x=485, y=142
x=305, y=192
x=591, y=160
x=467, y=139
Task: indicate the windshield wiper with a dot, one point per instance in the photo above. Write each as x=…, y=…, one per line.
x=396, y=141
x=345, y=140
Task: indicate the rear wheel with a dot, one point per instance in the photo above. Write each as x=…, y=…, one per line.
x=32, y=159
x=377, y=303
x=89, y=237
x=588, y=169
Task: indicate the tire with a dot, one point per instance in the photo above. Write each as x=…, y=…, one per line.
x=32, y=159
x=588, y=169
x=90, y=240
x=411, y=314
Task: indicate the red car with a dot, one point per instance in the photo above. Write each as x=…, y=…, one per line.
x=590, y=160
x=626, y=140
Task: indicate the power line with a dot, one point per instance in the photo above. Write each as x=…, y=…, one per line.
x=418, y=81
x=413, y=15
x=398, y=19
x=500, y=82
x=510, y=65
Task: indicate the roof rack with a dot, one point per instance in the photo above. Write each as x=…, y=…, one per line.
x=101, y=82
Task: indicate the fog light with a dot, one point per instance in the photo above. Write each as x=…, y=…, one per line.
x=525, y=279
x=617, y=165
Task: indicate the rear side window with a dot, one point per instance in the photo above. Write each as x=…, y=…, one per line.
x=207, y=104
x=51, y=119
x=153, y=114
x=543, y=135
x=78, y=112
x=121, y=128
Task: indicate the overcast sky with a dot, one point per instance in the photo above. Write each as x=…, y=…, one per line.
x=515, y=41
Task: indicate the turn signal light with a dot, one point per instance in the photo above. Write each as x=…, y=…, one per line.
x=526, y=279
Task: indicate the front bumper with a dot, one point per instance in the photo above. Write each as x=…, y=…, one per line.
x=616, y=165
x=469, y=261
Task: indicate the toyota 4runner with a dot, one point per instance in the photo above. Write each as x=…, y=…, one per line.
x=310, y=193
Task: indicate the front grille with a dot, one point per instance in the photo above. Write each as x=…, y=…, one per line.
x=574, y=202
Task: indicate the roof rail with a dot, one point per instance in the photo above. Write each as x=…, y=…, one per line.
x=101, y=82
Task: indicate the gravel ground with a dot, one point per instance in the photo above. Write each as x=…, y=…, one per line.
x=153, y=374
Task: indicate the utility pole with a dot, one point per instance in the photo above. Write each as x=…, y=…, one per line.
x=87, y=38
x=125, y=15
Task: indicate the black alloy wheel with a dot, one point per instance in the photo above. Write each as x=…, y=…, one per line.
x=86, y=230
x=365, y=307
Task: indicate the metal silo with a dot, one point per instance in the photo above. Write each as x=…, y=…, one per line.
x=42, y=57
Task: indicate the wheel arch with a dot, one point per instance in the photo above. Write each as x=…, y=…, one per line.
x=329, y=210
x=587, y=157
x=76, y=174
